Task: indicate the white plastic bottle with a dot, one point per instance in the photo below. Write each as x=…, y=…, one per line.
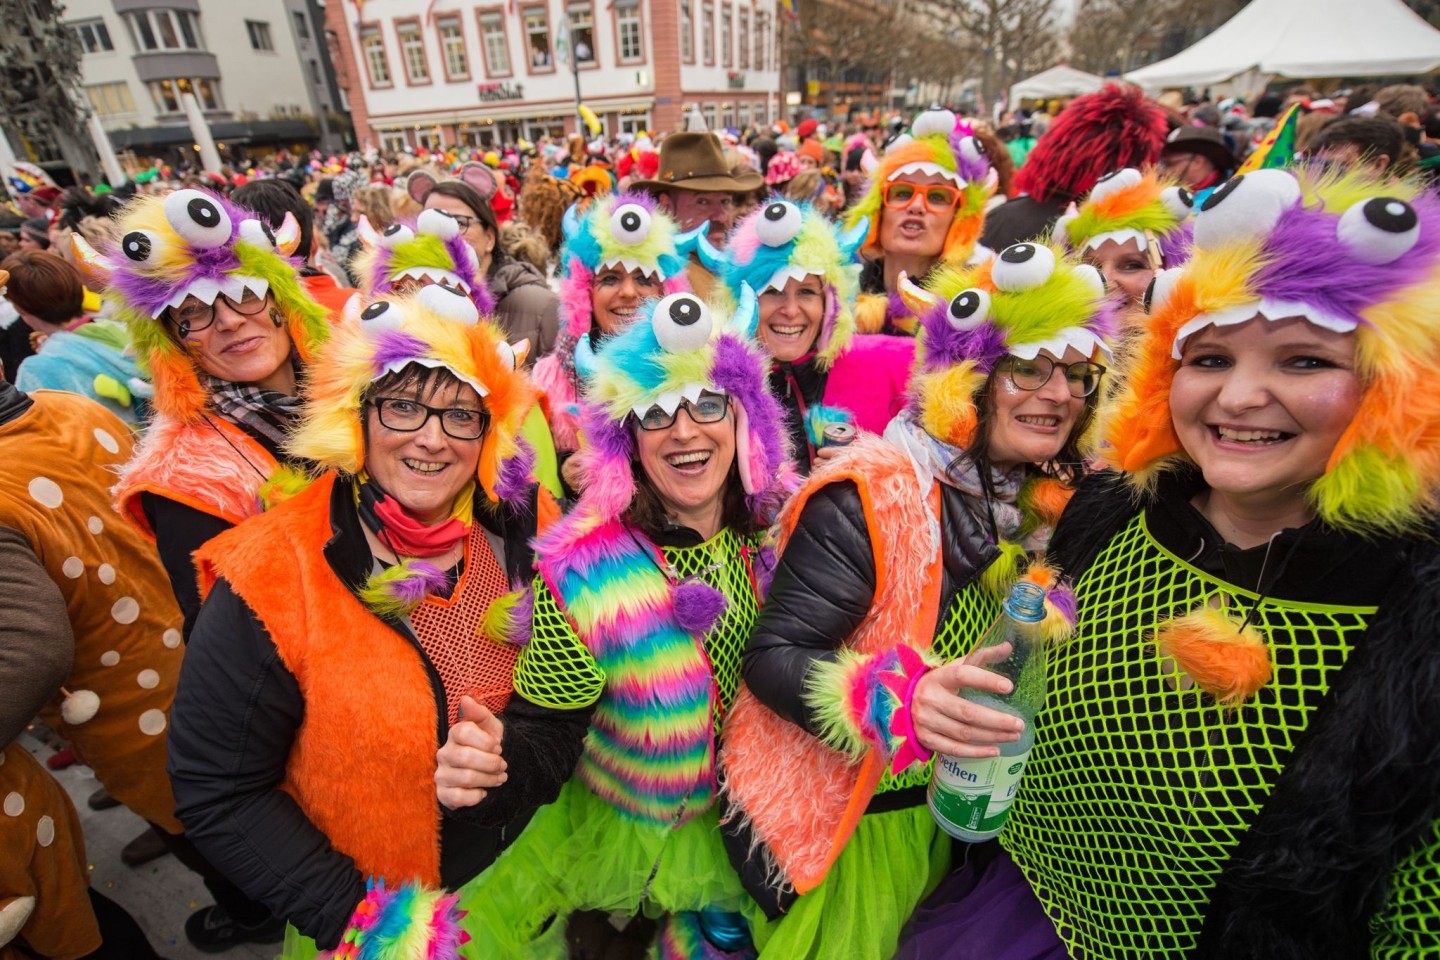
x=971, y=798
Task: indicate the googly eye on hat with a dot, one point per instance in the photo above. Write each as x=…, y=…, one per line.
x=968, y=309
x=438, y=224
x=396, y=234
x=779, y=223
x=1245, y=206
x=681, y=322
x=1379, y=230
x=198, y=219
x=449, y=302
x=1113, y=182
x=630, y=223
x=1022, y=266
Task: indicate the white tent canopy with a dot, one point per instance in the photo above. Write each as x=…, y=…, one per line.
x=1304, y=38
x=1058, y=81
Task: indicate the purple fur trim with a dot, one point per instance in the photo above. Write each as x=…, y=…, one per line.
x=1175, y=246
x=516, y=473
x=396, y=346
x=1062, y=598
x=945, y=346
x=895, y=308
x=740, y=370
x=827, y=325
x=764, y=568
x=971, y=171
x=697, y=605
x=425, y=578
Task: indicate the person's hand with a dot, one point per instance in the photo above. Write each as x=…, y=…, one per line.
x=469, y=765
x=947, y=723
x=827, y=453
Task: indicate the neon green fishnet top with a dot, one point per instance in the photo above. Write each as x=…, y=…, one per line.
x=1138, y=789
x=556, y=670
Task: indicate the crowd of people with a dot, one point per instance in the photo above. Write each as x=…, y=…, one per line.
x=576, y=550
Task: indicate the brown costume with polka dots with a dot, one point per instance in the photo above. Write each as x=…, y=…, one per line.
x=61, y=457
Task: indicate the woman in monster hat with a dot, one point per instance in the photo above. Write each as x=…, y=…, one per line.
x=1238, y=755
x=645, y=594
x=345, y=631
x=825, y=375
x=895, y=556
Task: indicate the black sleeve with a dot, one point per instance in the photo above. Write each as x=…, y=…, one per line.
x=232, y=727
x=541, y=746
x=37, y=646
x=1102, y=504
x=824, y=586
x=179, y=532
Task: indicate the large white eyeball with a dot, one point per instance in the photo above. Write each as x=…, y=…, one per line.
x=968, y=309
x=198, y=218
x=257, y=233
x=1379, y=230
x=141, y=247
x=1245, y=206
x=1092, y=276
x=1022, y=266
x=932, y=123
x=778, y=224
x=973, y=150
x=433, y=222
x=1160, y=288
x=681, y=322
x=1178, y=200
x=1114, y=182
x=380, y=316
x=450, y=303
x=630, y=223
x=398, y=233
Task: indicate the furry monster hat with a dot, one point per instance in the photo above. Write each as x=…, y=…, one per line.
x=436, y=327
x=1026, y=299
x=680, y=347
x=781, y=241
x=1130, y=205
x=1349, y=253
x=194, y=243
x=431, y=249
x=943, y=146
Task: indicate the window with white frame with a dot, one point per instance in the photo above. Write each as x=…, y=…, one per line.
x=393, y=141
x=93, y=35
x=582, y=32
x=452, y=47
x=412, y=52
x=726, y=34
x=259, y=32
x=635, y=124
x=708, y=112
x=316, y=74
x=707, y=31
x=111, y=99
x=744, y=118
x=627, y=23
x=302, y=25
x=429, y=139
x=166, y=93
x=760, y=26
x=164, y=30
x=743, y=46
x=537, y=37
x=497, y=52
x=374, y=46
x=687, y=30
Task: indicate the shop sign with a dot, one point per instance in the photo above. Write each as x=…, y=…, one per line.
x=501, y=91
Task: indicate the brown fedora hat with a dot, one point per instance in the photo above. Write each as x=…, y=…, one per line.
x=696, y=161
x=1205, y=141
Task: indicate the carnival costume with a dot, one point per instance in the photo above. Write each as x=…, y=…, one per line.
x=892, y=553
x=642, y=632
x=626, y=231
x=303, y=623
x=1238, y=756
x=938, y=144
x=201, y=464
x=1131, y=205
x=844, y=378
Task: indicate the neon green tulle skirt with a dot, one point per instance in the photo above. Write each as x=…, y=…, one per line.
x=580, y=853
x=892, y=862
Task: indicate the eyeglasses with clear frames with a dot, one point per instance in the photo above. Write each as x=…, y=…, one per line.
x=192, y=316
x=709, y=408
x=1082, y=378
x=404, y=415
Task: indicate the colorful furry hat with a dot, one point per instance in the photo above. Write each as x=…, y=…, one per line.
x=436, y=326
x=941, y=145
x=680, y=347
x=1097, y=133
x=430, y=249
x=1348, y=253
x=1025, y=299
x=1130, y=205
x=783, y=240
x=196, y=243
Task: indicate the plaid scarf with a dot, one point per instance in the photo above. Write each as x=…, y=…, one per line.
x=265, y=413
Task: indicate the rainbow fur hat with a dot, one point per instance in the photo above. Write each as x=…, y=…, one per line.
x=627, y=230
x=1027, y=298
x=783, y=240
x=436, y=326
x=941, y=145
x=1130, y=205
x=196, y=243
x=1348, y=253
x=678, y=348
x=429, y=249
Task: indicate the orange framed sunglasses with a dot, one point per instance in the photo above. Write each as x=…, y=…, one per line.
x=938, y=197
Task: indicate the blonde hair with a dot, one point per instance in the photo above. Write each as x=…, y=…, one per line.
x=374, y=202
x=524, y=242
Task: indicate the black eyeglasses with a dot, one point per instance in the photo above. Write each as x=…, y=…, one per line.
x=1082, y=377
x=192, y=316
x=406, y=416
x=462, y=219
x=710, y=408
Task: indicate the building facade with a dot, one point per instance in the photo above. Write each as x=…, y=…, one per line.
x=258, y=70
x=439, y=73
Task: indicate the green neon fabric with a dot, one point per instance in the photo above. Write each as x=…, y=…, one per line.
x=1409, y=925
x=1138, y=788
